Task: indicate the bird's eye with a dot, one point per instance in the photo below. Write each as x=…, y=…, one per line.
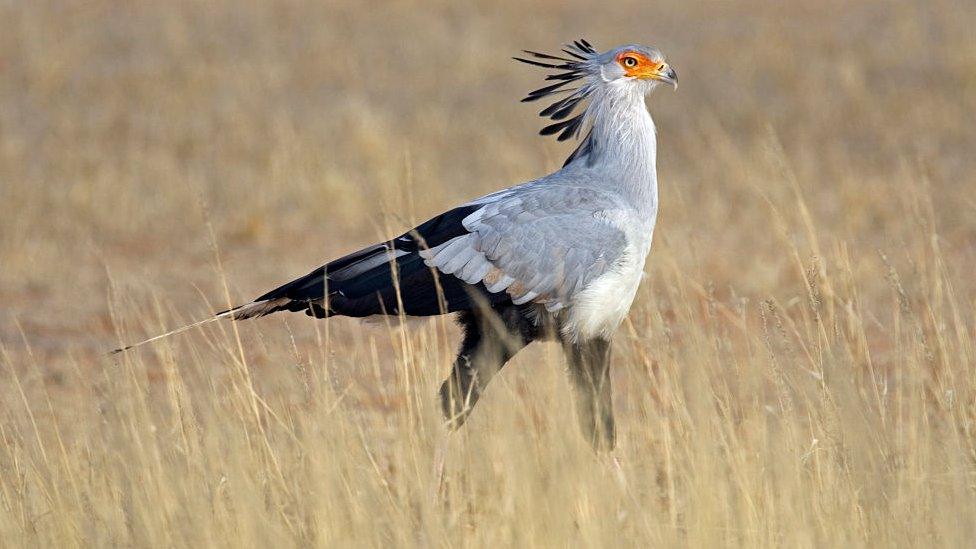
x=630, y=62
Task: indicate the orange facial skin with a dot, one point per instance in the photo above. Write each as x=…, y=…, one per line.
x=638, y=65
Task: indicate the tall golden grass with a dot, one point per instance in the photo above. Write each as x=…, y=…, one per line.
x=797, y=370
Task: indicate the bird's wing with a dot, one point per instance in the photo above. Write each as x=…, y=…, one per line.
x=544, y=244
x=386, y=278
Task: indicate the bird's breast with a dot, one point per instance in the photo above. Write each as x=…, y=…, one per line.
x=602, y=305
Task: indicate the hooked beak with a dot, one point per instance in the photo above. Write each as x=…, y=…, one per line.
x=667, y=75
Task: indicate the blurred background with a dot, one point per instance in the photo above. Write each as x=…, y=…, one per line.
x=817, y=171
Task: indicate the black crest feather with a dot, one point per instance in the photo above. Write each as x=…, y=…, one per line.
x=570, y=68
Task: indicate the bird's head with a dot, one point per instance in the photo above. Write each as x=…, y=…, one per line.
x=633, y=68
x=636, y=65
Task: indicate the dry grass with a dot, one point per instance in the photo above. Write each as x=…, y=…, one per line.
x=797, y=370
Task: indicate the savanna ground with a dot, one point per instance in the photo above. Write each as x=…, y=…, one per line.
x=797, y=370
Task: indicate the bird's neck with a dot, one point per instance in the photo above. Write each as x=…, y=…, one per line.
x=624, y=144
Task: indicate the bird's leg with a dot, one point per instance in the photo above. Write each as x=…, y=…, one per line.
x=589, y=370
x=489, y=342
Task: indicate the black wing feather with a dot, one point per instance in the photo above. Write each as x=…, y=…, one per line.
x=384, y=278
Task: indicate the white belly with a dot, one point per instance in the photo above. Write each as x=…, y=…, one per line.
x=599, y=309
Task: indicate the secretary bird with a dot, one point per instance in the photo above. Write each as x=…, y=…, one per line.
x=558, y=257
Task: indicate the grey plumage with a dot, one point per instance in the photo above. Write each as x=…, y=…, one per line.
x=541, y=242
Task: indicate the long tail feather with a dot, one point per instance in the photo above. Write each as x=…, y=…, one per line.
x=179, y=330
x=250, y=310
